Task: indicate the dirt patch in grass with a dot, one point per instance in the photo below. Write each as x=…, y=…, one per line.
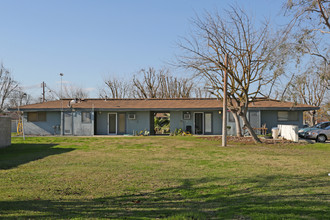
x=247, y=140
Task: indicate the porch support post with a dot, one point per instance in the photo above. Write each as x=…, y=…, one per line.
x=92, y=117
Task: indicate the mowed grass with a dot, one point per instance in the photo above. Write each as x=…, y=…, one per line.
x=162, y=177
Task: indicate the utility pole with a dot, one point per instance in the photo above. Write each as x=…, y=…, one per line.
x=62, y=113
x=43, y=91
x=61, y=74
x=224, y=108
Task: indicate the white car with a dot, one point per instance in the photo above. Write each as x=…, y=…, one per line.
x=320, y=135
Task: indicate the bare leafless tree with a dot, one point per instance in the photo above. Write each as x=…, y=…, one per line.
x=19, y=98
x=324, y=113
x=7, y=86
x=51, y=94
x=174, y=87
x=202, y=92
x=74, y=92
x=310, y=31
x=249, y=50
x=116, y=88
x=150, y=83
x=308, y=88
x=308, y=40
x=69, y=91
x=310, y=13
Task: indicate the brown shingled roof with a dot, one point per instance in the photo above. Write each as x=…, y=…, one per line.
x=153, y=104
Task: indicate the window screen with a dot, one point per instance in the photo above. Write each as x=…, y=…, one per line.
x=36, y=116
x=32, y=116
x=287, y=116
x=41, y=116
x=86, y=117
x=186, y=115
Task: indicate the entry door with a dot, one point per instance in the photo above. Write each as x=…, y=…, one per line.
x=68, y=123
x=254, y=120
x=199, y=123
x=121, y=123
x=112, y=123
x=208, y=123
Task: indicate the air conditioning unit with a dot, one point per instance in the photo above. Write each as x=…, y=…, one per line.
x=131, y=116
x=186, y=115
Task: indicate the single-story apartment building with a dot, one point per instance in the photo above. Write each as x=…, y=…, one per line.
x=87, y=117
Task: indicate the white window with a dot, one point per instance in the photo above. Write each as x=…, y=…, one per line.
x=208, y=123
x=86, y=117
x=287, y=116
x=186, y=115
x=131, y=116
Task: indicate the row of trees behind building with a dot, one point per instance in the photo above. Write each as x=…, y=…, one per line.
x=291, y=64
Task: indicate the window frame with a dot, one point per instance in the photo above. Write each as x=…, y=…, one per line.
x=131, y=116
x=290, y=116
x=39, y=116
x=186, y=116
x=324, y=125
x=82, y=117
x=211, y=123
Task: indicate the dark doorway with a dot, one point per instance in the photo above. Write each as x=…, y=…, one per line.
x=161, y=123
x=95, y=123
x=199, y=123
x=112, y=123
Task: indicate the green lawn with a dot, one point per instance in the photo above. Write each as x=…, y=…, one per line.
x=162, y=177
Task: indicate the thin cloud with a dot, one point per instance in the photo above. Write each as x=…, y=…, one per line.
x=90, y=89
x=64, y=82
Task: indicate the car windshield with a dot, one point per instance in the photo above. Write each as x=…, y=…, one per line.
x=327, y=128
x=322, y=125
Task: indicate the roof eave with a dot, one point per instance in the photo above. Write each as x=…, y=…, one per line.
x=285, y=108
x=165, y=109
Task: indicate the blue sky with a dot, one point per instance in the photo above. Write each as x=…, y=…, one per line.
x=91, y=40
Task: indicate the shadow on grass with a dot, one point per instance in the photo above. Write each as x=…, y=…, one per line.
x=18, y=154
x=193, y=199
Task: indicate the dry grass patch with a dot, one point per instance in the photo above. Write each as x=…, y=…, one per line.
x=162, y=177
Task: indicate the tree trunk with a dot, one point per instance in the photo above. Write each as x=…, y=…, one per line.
x=313, y=117
x=237, y=123
x=250, y=129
